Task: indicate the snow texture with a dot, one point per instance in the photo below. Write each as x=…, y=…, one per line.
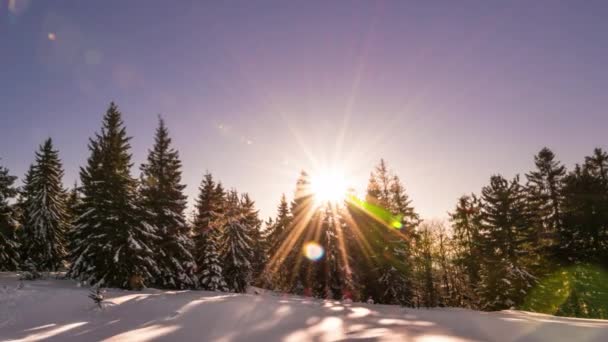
x=59, y=310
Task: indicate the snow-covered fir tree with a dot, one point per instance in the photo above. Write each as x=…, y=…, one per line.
x=466, y=226
x=276, y=274
x=74, y=206
x=73, y=202
x=211, y=277
x=20, y=213
x=330, y=273
x=427, y=292
x=295, y=237
x=391, y=239
x=207, y=225
x=46, y=216
x=162, y=198
x=276, y=228
x=113, y=243
x=251, y=220
x=236, y=245
x=505, y=233
x=9, y=253
x=544, y=189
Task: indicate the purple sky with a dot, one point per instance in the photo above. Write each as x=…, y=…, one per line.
x=448, y=92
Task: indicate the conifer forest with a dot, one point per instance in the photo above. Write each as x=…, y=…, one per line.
x=535, y=242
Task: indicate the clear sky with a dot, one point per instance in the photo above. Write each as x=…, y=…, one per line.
x=448, y=92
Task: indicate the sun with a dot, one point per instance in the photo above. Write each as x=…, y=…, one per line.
x=329, y=186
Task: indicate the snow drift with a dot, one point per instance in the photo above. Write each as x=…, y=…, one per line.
x=59, y=310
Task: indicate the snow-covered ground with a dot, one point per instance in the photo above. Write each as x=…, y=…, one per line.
x=59, y=310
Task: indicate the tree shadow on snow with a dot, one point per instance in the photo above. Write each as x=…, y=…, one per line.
x=155, y=315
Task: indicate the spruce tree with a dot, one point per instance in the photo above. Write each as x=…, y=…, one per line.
x=583, y=238
x=73, y=202
x=276, y=273
x=506, y=232
x=211, y=277
x=113, y=242
x=164, y=203
x=277, y=227
x=9, y=253
x=74, y=206
x=427, y=288
x=391, y=239
x=252, y=221
x=295, y=237
x=333, y=276
x=236, y=242
x=378, y=188
x=544, y=189
x=597, y=164
x=207, y=226
x=21, y=209
x=46, y=217
x=466, y=227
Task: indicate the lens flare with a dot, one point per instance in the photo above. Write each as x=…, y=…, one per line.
x=313, y=251
x=377, y=212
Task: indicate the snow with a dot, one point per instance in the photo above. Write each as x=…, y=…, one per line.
x=59, y=310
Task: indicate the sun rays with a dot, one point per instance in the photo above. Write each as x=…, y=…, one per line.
x=324, y=202
x=329, y=186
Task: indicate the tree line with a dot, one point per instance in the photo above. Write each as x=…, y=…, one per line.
x=538, y=243
x=114, y=230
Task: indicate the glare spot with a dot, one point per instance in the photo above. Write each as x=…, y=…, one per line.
x=52, y=36
x=329, y=186
x=313, y=251
x=397, y=224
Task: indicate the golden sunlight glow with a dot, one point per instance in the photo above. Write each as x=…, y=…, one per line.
x=329, y=186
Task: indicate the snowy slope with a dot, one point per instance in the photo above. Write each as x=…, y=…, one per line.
x=58, y=310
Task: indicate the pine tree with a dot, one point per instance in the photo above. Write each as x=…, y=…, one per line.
x=46, y=217
x=277, y=228
x=391, y=238
x=378, y=188
x=211, y=273
x=597, y=164
x=207, y=227
x=583, y=238
x=466, y=225
x=9, y=253
x=428, y=293
x=164, y=203
x=505, y=231
x=74, y=206
x=236, y=242
x=276, y=273
x=544, y=189
x=20, y=214
x=252, y=221
x=297, y=234
x=113, y=242
x=73, y=202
